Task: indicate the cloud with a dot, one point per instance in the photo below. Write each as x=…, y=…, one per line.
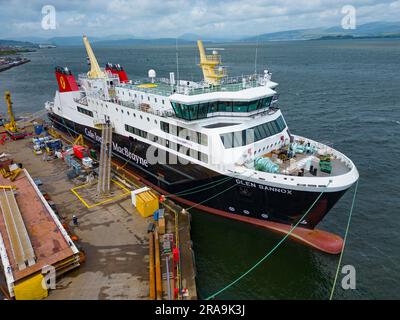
x=167, y=18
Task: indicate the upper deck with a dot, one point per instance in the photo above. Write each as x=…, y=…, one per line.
x=164, y=87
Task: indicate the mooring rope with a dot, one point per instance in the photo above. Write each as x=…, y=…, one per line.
x=216, y=195
x=269, y=253
x=344, y=240
x=203, y=187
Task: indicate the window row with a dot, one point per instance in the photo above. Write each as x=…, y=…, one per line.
x=169, y=144
x=85, y=111
x=254, y=134
x=200, y=111
x=184, y=133
x=141, y=96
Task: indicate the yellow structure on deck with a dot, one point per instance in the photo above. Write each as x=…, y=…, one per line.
x=12, y=125
x=210, y=65
x=145, y=201
x=95, y=71
x=31, y=289
x=79, y=141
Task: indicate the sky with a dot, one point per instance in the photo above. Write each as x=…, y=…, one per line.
x=172, y=18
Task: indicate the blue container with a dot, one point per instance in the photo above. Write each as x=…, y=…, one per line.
x=38, y=129
x=155, y=215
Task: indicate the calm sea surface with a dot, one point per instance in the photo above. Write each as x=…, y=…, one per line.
x=343, y=92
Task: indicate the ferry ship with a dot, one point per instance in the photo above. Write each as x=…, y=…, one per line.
x=221, y=145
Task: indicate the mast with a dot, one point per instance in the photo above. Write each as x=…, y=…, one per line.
x=209, y=64
x=95, y=71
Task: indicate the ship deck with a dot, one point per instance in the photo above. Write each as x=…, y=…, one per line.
x=162, y=86
x=338, y=167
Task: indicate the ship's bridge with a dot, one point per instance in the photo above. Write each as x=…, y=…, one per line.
x=228, y=99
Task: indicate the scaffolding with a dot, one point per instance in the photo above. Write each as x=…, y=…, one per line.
x=103, y=186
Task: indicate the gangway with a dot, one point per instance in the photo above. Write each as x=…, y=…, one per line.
x=21, y=246
x=103, y=185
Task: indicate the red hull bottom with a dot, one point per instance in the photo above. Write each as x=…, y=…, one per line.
x=318, y=239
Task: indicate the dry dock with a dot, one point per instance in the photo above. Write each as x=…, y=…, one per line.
x=113, y=236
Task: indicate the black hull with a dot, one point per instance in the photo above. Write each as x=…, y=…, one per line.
x=232, y=197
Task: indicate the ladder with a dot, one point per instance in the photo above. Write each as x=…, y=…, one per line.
x=103, y=185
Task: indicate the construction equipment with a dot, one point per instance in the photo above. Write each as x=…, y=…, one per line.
x=11, y=127
x=5, y=173
x=105, y=158
x=95, y=71
x=79, y=141
x=14, y=174
x=210, y=64
x=8, y=187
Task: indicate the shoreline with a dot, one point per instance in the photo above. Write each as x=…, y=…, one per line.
x=11, y=65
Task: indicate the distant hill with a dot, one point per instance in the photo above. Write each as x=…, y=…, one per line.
x=373, y=29
x=348, y=36
x=123, y=42
x=300, y=34
x=14, y=43
x=370, y=30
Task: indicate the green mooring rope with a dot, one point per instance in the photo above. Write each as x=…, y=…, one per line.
x=269, y=253
x=205, y=186
x=344, y=241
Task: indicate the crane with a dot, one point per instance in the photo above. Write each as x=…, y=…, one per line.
x=95, y=71
x=12, y=125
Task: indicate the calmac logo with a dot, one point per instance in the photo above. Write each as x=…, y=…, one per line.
x=122, y=150
x=62, y=82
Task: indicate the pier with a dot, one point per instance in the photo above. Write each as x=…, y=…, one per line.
x=112, y=237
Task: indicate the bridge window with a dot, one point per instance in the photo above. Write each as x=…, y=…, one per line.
x=260, y=132
x=200, y=111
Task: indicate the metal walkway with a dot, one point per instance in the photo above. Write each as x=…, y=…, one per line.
x=21, y=245
x=105, y=159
